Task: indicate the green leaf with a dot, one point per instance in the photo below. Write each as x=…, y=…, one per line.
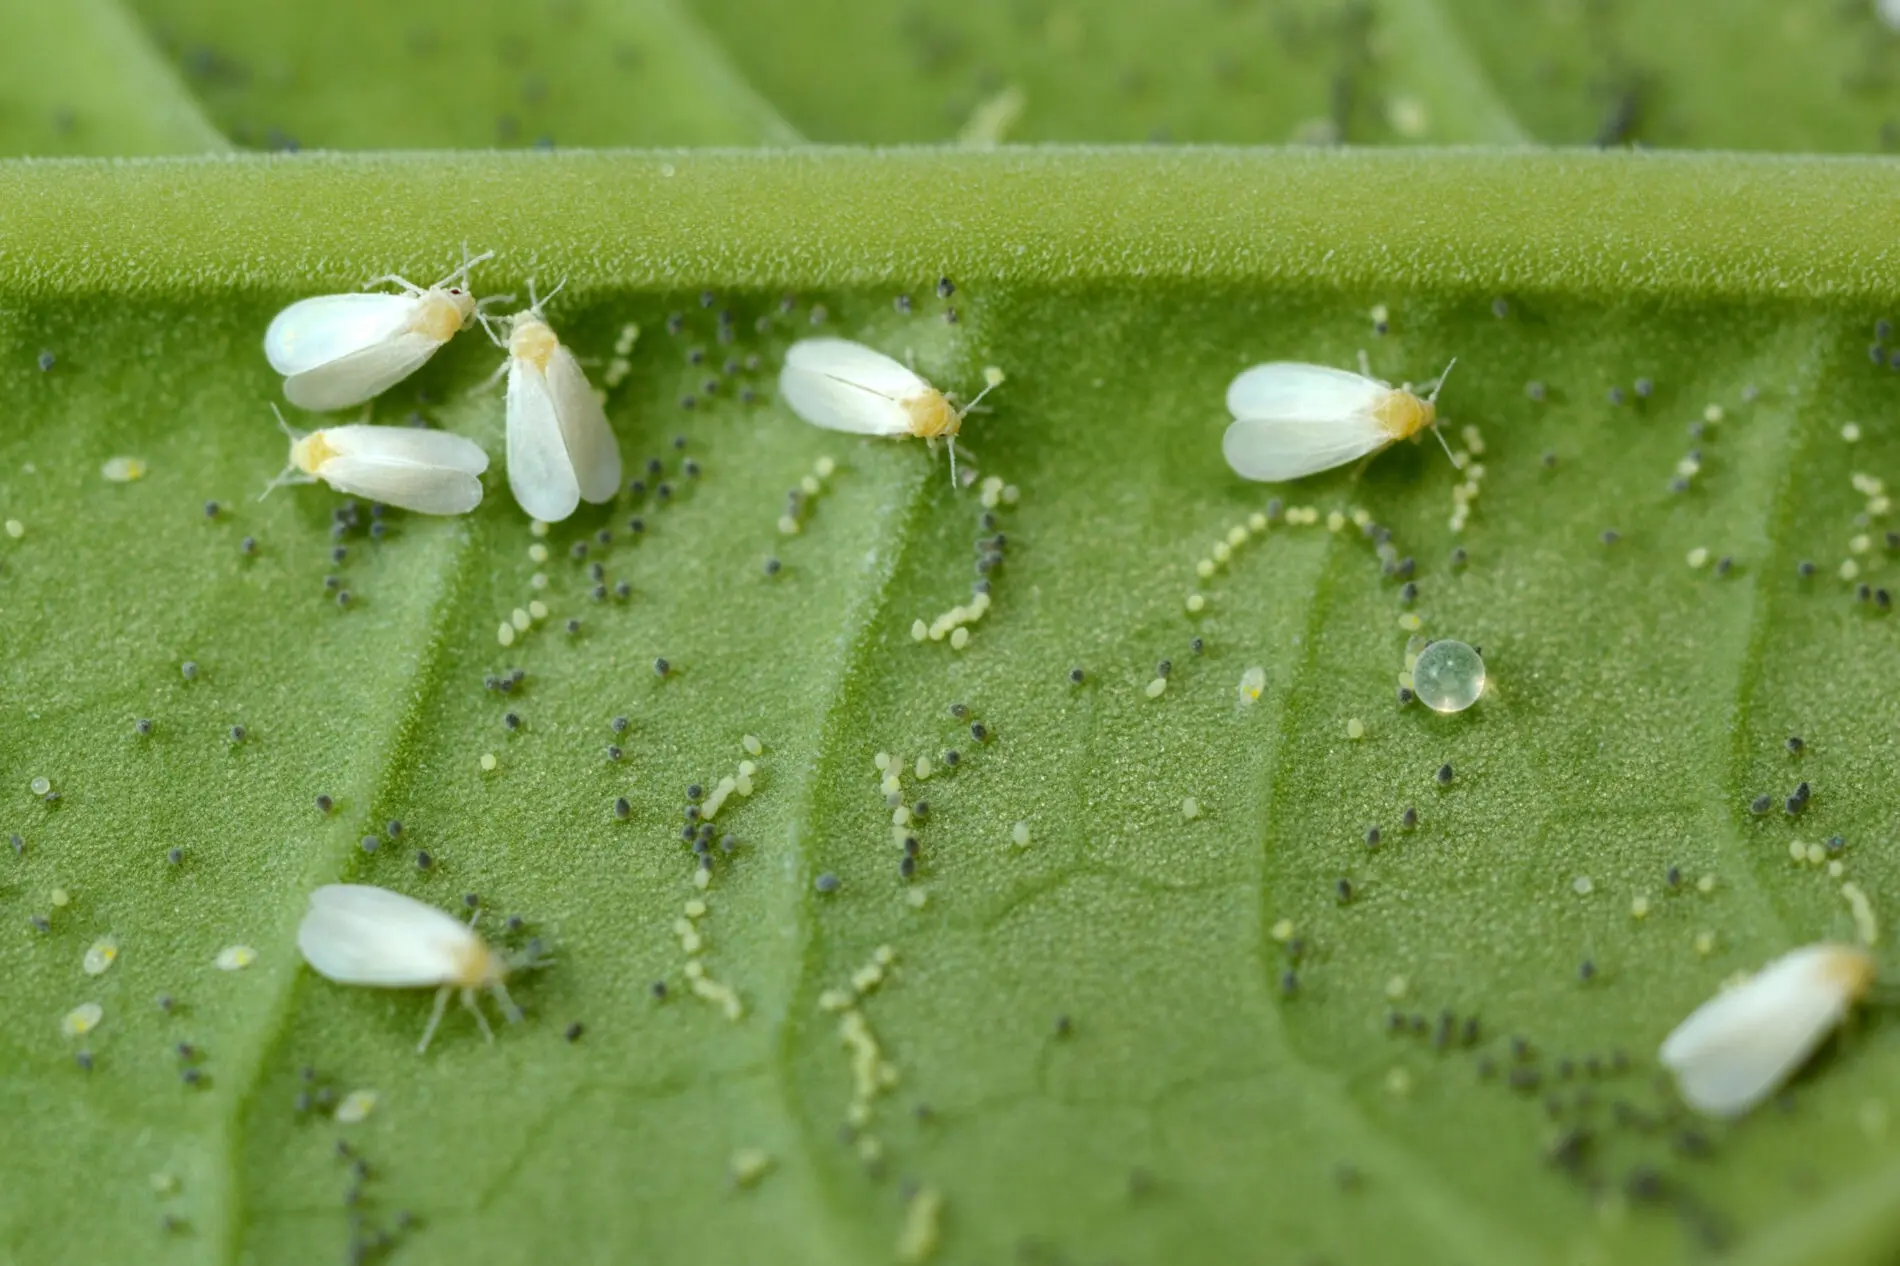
x=450, y=73
x=1095, y=1055
x=1023, y=70
x=80, y=78
x=1766, y=77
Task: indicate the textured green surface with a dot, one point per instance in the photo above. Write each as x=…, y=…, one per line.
x=79, y=77
x=1791, y=75
x=361, y=74
x=1095, y=1023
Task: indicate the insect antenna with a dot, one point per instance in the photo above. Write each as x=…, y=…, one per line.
x=467, y=263
x=290, y=468
x=1433, y=399
x=535, y=305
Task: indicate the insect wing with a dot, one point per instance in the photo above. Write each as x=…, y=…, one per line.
x=1735, y=1049
x=1289, y=391
x=540, y=474
x=313, y=332
x=359, y=935
x=1293, y=420
x=846, y=386
x=592, y=450
x=422, y=489
x=1276, y=450
x=361, y=375
x=408, y=444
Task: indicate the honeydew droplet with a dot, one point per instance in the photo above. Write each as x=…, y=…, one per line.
x=82, y=1019
x=40, y=786
x=236, y=957
x=1448, y=677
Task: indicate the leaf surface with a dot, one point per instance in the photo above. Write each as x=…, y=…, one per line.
x=1095, y=1048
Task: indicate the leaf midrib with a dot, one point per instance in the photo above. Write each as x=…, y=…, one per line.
x=1580, y=223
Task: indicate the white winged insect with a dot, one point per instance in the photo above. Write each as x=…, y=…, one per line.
x=356, y=934
x=1737, y=1048
x=561, y=451
x=336, y=351
x=846, y=386
x=1292, y=420
x=429, y=472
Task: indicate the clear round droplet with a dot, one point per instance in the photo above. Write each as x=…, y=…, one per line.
x=1448, y=677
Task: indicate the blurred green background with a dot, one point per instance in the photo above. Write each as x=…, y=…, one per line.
x=114, y=77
